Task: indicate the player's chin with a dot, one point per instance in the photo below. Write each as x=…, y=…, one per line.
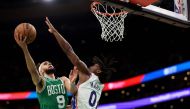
x=51, y=71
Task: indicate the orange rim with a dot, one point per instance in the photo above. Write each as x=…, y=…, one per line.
x=94, y=6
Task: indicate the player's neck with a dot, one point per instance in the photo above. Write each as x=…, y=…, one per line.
x=51, y=76
x=97, y=74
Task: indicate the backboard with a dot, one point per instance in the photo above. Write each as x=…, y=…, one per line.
x=180, y=16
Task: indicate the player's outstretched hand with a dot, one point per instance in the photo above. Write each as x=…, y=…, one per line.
x=50, y=26
x=73, y=74
x=20, y=40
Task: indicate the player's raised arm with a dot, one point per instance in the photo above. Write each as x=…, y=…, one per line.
x=70, y=82
x=73, y=75
x=21, y=41
x=67, y=48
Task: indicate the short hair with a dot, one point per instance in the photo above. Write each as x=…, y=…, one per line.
x=106, y=66
x=97, y=60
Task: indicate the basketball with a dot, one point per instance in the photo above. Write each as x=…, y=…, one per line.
x=26, y=30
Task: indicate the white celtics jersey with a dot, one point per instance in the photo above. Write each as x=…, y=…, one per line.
x=88, y=94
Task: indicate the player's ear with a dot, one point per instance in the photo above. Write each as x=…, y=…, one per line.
x=99, y=71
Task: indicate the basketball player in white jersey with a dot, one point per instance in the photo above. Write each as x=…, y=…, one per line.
x=89, y=85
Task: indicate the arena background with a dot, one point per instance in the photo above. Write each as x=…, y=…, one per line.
x=148, y=46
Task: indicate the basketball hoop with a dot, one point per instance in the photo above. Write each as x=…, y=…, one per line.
x=111, y=20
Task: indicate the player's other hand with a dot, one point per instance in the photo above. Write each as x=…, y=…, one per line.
x=20, y=40
x=50, y=26
x=73, y=74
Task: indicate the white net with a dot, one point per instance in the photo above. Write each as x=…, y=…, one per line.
x=111, y=20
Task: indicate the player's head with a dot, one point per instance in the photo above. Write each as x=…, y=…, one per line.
x=101, y=69
x=46, y=68
x=97, y=66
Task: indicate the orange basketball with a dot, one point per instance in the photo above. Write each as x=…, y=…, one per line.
x=26, y=30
